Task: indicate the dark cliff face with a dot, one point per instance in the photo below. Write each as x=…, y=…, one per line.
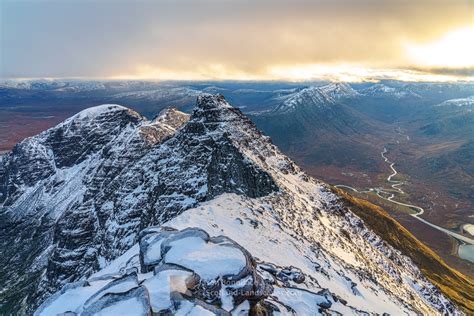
x=72, y=143
x=45, y=175
x=67, y=144
x=106, y=185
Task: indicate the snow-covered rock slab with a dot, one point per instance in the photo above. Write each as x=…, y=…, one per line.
x=133, y=302
x=223, y=279
x=122, y=284
x=319, y=260
x=168, y=279
x=302, y=302
x=194, y=250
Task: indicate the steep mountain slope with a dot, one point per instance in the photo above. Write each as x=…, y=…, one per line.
x=315, y=96
x=219, y=173
x=197, y=164
x=50, y=175
x=452, y=118
x=452, y=283
x=316, y=128
x=444, y=155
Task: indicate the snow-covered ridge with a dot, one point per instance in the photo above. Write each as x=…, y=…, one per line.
x=317, y=96
x=259, y=263
x=462, y=102
x=114, y=183
x=58, y=152
x=159, y=93
x=380, y=90
x=339, y=90
x=93, y=112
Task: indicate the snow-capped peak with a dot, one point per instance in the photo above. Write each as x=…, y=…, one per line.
x=206, y=101
x=317, y=96
x=339, y=90
x=99, y=110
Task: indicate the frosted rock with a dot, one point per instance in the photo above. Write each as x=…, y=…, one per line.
x=133, y=302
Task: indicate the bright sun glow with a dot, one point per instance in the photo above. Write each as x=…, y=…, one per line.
x=353, y=73
x=454, y=49
x=297, y=72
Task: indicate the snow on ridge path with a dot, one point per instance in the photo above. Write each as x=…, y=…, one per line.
x=257, y=227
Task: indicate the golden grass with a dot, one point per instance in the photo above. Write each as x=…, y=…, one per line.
x=456, y=286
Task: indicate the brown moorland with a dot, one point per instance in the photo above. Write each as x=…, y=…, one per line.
x=456, y=286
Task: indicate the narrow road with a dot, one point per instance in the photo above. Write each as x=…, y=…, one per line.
x=394, y=184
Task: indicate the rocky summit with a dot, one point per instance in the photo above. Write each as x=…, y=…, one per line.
x=189, y=215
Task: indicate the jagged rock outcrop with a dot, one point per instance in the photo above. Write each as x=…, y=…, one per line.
x=197, y=164
x=123, y=183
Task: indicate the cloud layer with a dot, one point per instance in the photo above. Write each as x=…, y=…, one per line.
x=220, y=39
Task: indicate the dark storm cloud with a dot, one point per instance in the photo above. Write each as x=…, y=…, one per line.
x=459, y=72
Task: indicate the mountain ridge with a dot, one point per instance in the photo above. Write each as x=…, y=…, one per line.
x=315, y=96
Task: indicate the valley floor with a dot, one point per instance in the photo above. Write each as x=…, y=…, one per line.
x=455, y=251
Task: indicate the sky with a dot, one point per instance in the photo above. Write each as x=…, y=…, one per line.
x=351, y=40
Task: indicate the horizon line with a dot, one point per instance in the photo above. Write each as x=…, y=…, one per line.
x=109, y=79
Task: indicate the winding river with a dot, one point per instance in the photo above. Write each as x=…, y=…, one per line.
x=466, y=246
